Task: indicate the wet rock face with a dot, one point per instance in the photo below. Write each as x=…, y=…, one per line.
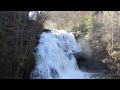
x=88, y=63
x=46, y=30
x=77, y=55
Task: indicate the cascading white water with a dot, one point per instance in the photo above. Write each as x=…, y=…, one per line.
x=55, y=59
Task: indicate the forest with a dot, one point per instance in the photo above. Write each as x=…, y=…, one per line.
x=97, y=33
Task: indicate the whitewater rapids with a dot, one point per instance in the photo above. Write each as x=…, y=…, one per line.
x=55, y=59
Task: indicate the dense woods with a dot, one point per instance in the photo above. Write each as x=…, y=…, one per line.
x=18, y=37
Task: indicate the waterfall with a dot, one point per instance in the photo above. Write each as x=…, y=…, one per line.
x=55, y=59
